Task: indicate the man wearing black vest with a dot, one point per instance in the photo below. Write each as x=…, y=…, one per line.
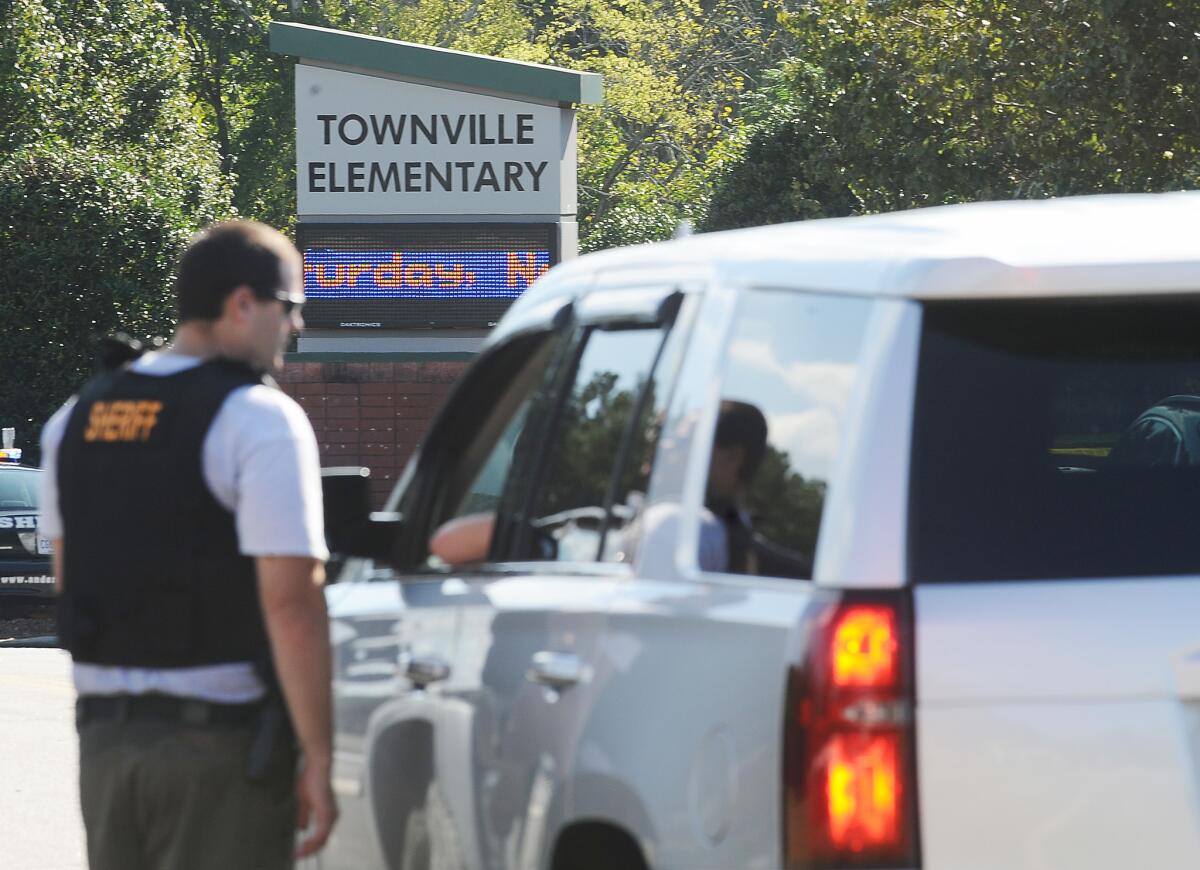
x=182, y=491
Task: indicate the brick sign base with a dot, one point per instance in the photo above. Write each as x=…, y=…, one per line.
x=370, y=413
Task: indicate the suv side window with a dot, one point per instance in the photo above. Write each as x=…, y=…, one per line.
x=544, y=451
x=467, y=460
x=1056, y=439
x=791, y=364
x=594, y=460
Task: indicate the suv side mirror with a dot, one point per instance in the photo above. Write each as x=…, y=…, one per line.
x=351, y=528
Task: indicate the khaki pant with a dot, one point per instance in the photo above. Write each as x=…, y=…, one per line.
x=168, y=796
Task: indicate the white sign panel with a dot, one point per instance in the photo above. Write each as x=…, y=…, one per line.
x=367, y=145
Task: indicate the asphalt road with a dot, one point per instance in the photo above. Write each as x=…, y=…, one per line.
x=40, y=828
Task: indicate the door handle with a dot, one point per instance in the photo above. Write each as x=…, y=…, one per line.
x=423, y=670
x=555, y=670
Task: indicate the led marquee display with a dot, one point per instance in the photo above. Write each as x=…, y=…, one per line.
x=331, y=274
x=419, y=276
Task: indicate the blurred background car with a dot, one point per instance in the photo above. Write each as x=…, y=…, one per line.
x=25, y=566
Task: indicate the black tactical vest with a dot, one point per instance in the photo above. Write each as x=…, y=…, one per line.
x=152, y=576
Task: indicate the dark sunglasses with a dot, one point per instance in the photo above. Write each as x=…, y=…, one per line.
x=289, y=300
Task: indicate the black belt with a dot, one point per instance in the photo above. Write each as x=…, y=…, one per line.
x=168, y=708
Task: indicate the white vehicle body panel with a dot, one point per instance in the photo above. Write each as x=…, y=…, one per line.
x=524, y=743
x=1114, y=244
x=383, y=720
x=698, y=778
x=1055, y=727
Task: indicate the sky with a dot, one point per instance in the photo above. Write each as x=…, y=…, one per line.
x=795, y=356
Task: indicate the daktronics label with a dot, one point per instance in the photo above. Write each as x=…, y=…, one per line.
x=331, y=274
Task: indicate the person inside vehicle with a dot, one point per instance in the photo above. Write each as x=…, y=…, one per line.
x=739, y=445
x=464, y=539
x=727, y=542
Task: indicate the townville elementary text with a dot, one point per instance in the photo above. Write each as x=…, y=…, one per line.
x=417, y=176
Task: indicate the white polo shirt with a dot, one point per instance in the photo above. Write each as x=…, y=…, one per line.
x=260, y=461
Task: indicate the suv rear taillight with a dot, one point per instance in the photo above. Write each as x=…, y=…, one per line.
x=849, y=771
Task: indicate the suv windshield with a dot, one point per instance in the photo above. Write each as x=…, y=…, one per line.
x=1056, y=440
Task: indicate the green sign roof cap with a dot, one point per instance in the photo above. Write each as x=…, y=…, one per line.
x=426, y=62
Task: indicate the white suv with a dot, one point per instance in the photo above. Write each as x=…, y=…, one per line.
x=802, y=547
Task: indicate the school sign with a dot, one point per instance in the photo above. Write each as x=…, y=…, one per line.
x=368, y=145
x=432, y=186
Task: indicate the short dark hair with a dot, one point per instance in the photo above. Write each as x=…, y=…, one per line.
x=741, y=424
x=224, y=257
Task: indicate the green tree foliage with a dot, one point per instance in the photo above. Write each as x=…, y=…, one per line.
x=594, y=418
x=105, y=168
x=244, y=92
x=909, y=103
x=785, y=508
x=673, y=71
x=104, y=74
x=88, y=240
x=771, y=181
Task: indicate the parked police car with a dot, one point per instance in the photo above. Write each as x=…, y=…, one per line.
x=25, y=568
x=806, y=546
